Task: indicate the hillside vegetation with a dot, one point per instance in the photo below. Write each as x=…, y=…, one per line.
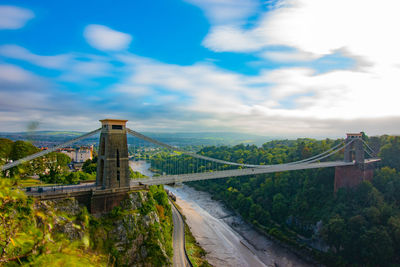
x=62, y=233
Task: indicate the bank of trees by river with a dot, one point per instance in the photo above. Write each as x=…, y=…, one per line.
x=358, y=226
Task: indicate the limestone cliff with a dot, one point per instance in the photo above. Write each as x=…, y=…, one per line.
x=136, y=233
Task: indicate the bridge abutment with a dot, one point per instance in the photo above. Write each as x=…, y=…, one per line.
x=104, y=201
x=96, y=201
x=351, y=176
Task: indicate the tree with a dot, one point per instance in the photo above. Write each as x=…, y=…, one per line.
x=377, y=246
x=394, y=231
x=244, y=206
x=390, y=153
x=90, y=165
x=383, y=176
x=57, y=162
x=5, y=149
x=21, y=149
x=279, y=207
x=334, y=232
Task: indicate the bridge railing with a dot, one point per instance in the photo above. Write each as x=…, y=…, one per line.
x=43, y=190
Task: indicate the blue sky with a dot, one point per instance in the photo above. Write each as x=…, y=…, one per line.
x=285, y=67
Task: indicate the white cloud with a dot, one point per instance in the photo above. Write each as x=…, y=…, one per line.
x=104, y=38
x=21, y=53
x=232, y=39
x=75, y=67
x=294, y=101
x=285, y=56
x=288, y=101
x=12, y=74
x=27, y=97
x=341, y=95
x=319, y=27
x=205, y=87
x=12, y=17
x=362, y=30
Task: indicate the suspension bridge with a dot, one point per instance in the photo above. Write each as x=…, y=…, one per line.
x=113, y=181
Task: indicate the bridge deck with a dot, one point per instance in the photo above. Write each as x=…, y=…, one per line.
x=71, y=190
x=170, y=179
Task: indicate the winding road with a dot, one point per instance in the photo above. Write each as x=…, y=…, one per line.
x=179, y=259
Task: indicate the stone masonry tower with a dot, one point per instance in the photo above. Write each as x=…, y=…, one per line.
x=351, y=176
x=354, y=151
x=113, y=161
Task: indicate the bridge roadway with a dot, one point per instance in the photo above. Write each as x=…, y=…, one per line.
x=171, y=179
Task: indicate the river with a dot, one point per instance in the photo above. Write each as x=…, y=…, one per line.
x=141, y=166
x=228, y=240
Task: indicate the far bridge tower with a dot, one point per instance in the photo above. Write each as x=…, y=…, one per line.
x=351, y=176
x=113, y=160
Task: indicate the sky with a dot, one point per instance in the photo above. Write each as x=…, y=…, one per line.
x=290, y=68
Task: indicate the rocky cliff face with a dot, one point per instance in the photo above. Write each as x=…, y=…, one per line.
x=137, y=233
x=69, y=218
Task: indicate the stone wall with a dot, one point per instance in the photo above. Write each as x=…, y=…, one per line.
x=96, y=201
x=351, y=176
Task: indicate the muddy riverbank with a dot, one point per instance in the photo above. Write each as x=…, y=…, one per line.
x=226, y=237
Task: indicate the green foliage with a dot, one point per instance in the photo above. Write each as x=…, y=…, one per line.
x=56, y=177
x=135, y=174
x=195, y=252
x=90, y=166
x=334, y=232
x=28, y=235
x=22, y=149
x=5, y=149
x=160, y=198
x=390, y=152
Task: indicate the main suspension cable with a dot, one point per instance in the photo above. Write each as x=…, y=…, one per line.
x=316, y=156
x=151, y=140
x=371, y=150
x=333, y=152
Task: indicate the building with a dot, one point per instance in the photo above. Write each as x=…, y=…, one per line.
x=78, y=155
x=70, y=152
x=82, y=154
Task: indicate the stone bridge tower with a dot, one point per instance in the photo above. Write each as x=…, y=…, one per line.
x=355, y=150
x=113, y=161
x=351, y=176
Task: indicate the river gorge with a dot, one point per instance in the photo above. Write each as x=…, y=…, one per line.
x=228, y=240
